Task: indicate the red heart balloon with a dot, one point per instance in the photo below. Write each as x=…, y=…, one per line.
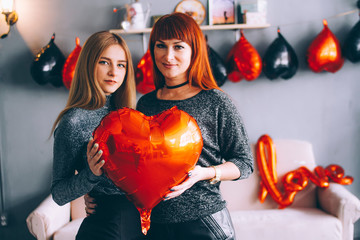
x=146, y=156
x=243, y=61
x=70, y=63
x=324, y=52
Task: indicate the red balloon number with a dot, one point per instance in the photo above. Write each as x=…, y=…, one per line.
x=146, y=156
x=293, y=181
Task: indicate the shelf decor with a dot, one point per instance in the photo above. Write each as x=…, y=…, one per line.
x=221, y=12
x=193, y=8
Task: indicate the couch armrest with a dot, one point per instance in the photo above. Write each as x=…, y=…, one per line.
x=47, y=218
x=339, y=202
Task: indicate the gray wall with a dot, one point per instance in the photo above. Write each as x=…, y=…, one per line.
x=322, y=108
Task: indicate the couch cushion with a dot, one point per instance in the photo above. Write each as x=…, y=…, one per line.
x=285, y=224
x=69, y=231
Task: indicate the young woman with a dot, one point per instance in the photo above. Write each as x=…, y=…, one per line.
x=103, y=81
x=183, y=78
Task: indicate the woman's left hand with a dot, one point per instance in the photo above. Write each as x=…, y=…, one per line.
x=197, y=174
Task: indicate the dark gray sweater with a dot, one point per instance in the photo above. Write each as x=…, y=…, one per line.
x=224, y=138
x=70, y=140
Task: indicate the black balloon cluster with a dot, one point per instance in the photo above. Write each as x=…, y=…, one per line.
x=47, y=65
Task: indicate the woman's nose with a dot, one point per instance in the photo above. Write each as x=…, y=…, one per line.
x=169, y=53
x=111, y=71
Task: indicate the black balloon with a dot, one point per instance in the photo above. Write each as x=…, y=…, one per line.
x=217, y=66
x=48, y=64
x=352, y=44
x=280, y=59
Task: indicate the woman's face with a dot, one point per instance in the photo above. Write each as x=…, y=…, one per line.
x=173, y=57
x=111, y=68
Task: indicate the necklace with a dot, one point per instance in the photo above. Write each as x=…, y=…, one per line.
x=177, y=86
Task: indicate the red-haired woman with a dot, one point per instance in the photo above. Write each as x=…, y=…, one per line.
x=183, y=78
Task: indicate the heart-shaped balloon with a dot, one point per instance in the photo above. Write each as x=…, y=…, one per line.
x=70, y=63
x=280, y=59
x=147, y=155
x=144, y=74
x=352, y=44
x=324, y=52
x=217, y=66
x=48, y=64
x=243, y=61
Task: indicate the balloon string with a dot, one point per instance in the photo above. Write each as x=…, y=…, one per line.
x=309, y=21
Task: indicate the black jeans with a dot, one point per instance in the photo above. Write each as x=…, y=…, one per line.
x=116, y=218
x=217, y=226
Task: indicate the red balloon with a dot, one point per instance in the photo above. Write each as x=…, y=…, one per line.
x=324, y=52
x=293, y=181
x=144, y=74
x=70, y=63
x=146, y=156
x=243, y=61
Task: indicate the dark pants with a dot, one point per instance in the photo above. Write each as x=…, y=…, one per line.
x=217, y=226
x=116, y=218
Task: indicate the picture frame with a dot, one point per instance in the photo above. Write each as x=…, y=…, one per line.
x=221, y=12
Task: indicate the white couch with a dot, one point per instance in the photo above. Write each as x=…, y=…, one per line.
x=316, y=213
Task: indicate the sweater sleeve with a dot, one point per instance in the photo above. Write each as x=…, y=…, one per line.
x=233, y=139
x=68, y=147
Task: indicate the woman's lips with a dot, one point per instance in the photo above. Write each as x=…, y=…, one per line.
x=110, y=82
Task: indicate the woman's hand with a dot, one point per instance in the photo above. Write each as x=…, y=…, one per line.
x=90, y=205
x=229, y=172
x=93, y=158
x=197, y=174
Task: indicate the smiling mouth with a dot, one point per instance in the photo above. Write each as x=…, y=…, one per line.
x=167, y=65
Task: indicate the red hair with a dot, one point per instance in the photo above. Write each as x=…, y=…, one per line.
x=183, y=27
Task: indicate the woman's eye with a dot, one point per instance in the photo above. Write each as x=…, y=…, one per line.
x=160, y=45
x=179, y=47
x=120, y=65
x=103, y=62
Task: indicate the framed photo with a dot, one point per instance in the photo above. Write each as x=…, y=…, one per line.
x=221, y=11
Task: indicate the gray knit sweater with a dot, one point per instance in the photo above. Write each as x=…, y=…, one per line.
x=224, y=138
x=70, y=140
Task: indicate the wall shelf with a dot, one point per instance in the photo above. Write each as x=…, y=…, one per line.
x=203, y=27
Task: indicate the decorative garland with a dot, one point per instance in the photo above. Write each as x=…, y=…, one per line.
x=243, y=60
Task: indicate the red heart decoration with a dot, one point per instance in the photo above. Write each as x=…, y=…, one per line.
x=243, y=61
x=70, y=64
x=324, y=53
x=146, y=156
x=144, y=74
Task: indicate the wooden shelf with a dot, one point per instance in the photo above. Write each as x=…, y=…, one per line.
x=203, y=27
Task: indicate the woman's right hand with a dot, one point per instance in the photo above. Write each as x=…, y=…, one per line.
x=93, y=158
x=90, y=205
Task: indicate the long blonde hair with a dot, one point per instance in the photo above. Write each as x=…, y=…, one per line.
x=85, y=92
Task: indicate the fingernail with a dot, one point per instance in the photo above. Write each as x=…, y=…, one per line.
x=189, y=174
x=102, y=161
x=96, y=145
x=91, y=138
x=100, y=152
x=166, y=198
x=172, y=190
